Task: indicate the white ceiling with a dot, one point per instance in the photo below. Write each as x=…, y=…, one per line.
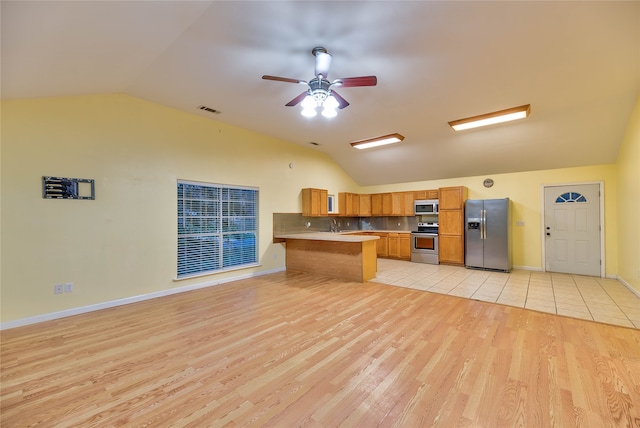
x=576, y=63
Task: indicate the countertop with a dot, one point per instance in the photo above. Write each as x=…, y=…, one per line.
x=349, y=236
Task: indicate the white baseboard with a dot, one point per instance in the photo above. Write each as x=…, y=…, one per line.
x=626, y=284
x=127, y=300
x=536, y=269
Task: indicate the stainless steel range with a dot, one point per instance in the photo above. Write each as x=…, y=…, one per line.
x=424, y=243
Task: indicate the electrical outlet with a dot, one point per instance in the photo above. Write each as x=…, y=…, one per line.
x=57, y=289
x=68, y=287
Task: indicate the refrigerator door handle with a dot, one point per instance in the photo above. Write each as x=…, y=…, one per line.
x=483, y=224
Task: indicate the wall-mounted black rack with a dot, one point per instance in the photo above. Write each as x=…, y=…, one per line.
x=68, y=188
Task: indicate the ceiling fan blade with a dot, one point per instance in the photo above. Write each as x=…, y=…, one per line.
x=342, y=103
x=349, y=82
x=323, y=62
x=283, y=79
x=297, y=99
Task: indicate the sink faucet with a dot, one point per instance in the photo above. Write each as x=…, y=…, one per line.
x=334, y=225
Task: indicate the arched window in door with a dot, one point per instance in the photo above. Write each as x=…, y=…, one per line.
x=570, y=197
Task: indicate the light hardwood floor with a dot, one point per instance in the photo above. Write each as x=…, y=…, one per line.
x=290, y=350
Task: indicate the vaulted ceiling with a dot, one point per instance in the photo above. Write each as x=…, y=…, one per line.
x=576, y=63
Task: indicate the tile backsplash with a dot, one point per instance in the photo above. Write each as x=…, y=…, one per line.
x=297, y=223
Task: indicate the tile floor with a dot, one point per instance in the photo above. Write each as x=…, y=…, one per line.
x=586, y=297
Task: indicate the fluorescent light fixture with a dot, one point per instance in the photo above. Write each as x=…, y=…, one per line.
x=491, y=118
x=377, y=141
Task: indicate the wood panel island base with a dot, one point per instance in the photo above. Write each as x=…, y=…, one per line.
x=348, y=257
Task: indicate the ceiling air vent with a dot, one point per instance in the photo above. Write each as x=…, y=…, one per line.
x=209, y=109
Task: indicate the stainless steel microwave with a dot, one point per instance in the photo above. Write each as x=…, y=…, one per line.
x=425, y=206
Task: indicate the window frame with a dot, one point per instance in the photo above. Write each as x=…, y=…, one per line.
x=217, y=228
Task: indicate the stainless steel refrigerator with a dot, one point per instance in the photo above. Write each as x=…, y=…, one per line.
x=487, y=240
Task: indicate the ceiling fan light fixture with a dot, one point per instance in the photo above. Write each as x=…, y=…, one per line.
x=320, y=87
x=308, y=106
x=377, y=141
x=309, y=112
x=329, y=112
x=500, y=116
x=330, y=106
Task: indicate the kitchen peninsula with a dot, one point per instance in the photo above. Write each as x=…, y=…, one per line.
x=346, y=256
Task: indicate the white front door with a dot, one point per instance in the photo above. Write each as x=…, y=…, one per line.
x=572, y=229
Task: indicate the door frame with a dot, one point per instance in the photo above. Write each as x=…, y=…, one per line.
x=542, y=230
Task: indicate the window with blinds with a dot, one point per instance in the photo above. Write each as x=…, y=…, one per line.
x=217, y=228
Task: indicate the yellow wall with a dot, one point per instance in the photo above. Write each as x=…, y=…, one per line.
x=629, y=202
x=525, y=191
x=123, y=243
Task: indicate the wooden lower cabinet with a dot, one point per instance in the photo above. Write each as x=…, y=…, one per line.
x=399, y=245
x=405, y=246
x=382, y=244
x=451, y=250
x=392, y=245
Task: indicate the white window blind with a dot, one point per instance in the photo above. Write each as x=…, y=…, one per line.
x=217, y=227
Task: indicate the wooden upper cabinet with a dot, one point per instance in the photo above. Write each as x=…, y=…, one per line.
x=315, y=202
x=354, y=205
x=376, y=204
x=408, y=209
x=345, y=204
x=397, y=203
x=381, y=204
x=401, y=204
x=386, y=204
x=425, y=194
x=364, y=205
x=452, y=198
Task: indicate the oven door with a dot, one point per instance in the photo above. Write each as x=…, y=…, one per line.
x=424, y=247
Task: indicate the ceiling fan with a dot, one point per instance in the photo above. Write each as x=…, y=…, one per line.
x=320, y=92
